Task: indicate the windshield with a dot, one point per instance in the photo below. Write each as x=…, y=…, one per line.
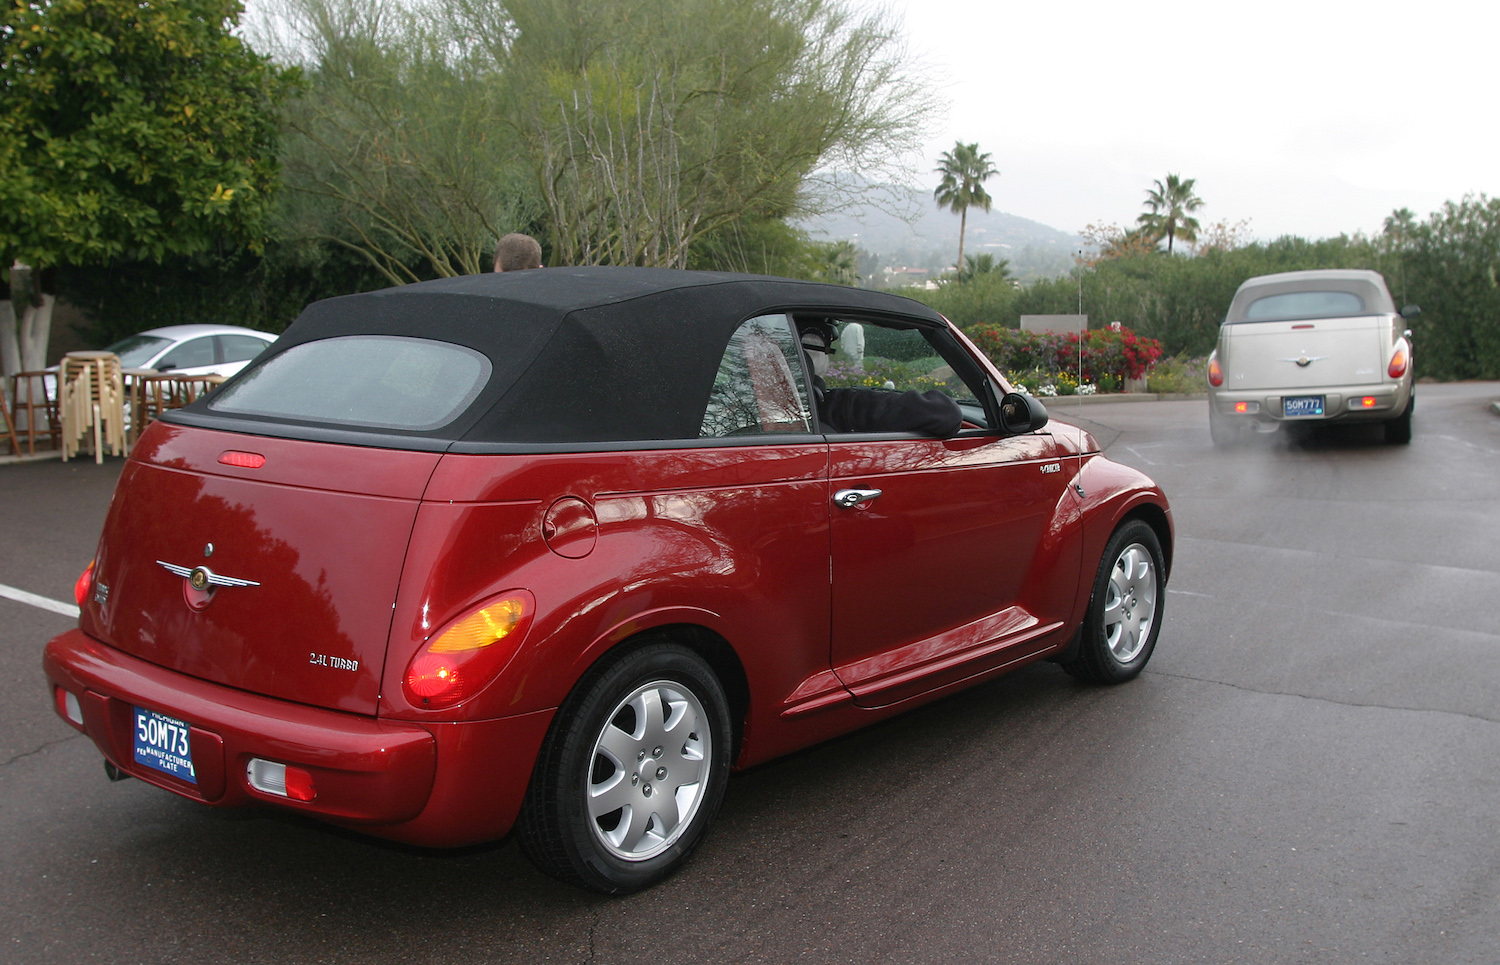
x=137, y=350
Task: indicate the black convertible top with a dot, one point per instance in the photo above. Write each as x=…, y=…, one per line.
x=591, y=354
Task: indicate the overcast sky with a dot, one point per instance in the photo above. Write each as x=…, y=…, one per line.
x=1307, y=117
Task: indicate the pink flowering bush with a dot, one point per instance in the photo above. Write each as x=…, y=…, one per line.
x=1108, y=355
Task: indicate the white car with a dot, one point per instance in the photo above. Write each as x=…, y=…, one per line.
x=1312, y=347
x=192, y=349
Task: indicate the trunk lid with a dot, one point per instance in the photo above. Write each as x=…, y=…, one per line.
x=1337, y=351
x=316, y=535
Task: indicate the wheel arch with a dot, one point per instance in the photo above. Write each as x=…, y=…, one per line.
x=1155, y=517
x=707, y=644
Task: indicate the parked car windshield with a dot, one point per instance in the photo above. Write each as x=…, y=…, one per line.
x=1312, y=304
x=137, y=350
x=371, y=381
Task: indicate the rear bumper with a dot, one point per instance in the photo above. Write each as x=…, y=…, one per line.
x=1386, y=400
x=439, y=785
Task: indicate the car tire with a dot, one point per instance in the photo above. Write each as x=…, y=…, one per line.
x=631, y=773
x=1125, y=608
x=1398, y=430
x=1224, y=433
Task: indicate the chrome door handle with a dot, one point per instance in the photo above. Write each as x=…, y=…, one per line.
x=849, y=498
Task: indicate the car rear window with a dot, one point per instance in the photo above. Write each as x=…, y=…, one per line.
x=370, y=381
x=1310, y=304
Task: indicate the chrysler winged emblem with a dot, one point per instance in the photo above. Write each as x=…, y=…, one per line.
x=201, y=577
x=1304, y=361
x=200, y=582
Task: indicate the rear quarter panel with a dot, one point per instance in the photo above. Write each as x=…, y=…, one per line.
x=735, y=540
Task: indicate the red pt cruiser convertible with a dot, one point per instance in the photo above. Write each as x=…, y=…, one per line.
x=555, y=551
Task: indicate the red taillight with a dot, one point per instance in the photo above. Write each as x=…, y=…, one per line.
x=1242, y=407
x=1397, y=368
x=1215, y=373
x=469, y=653
x=85, y=584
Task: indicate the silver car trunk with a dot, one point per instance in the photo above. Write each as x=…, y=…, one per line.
x=1304, y=354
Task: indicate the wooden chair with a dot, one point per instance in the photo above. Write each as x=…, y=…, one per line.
x=34, y=399
x=10, y=427
x=190, y=387
x=91, y=400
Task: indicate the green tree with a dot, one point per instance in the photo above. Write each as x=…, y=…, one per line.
x=983, y=264
x=964, y=170
x=396, y=150
x=136, y=128
x=653, y=125
x=1169, y=206
x=1452, y=270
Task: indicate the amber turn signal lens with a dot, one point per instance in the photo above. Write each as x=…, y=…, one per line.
x=85, y=584
x=469, y=653
x=1215, y=373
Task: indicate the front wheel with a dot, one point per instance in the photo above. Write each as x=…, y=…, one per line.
x=1124, y=615
x=631, y=773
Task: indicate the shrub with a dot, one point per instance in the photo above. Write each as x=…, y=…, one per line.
x=1111, y=355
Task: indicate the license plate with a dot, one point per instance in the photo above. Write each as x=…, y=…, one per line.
x=1301, y=405
x=162, y=742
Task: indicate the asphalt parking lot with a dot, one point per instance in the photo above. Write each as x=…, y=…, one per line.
x=1308, y=771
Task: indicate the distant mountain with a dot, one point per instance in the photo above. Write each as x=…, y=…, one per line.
x=931, y=239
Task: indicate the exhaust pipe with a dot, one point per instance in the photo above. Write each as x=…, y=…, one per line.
x=114, y=773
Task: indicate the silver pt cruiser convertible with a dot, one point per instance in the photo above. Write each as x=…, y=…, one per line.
x=1311, y=347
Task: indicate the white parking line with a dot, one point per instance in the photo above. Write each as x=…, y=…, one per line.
x=21, y=596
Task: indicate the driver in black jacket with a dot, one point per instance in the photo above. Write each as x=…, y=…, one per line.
x=932, y=413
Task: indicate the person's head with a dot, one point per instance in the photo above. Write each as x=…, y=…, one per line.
x=817, y=341
x=517, y=252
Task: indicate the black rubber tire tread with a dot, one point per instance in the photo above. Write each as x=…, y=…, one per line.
x=1398, y=430
x=552, y=828
x=1091, y=661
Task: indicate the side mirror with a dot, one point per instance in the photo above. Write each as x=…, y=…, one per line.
x=1410, y=311
x=1020, y=413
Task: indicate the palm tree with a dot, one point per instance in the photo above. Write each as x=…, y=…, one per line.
x=964, y=170
x=983, y=264
x=1169, y=205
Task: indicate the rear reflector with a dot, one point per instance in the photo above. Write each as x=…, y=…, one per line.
x=282, y=780
x=244, y=460
x=68, y=706
x=1296, y=327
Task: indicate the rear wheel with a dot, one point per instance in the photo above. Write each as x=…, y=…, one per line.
x=1398, y=430
x=1124, y=615
x=632, y=772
